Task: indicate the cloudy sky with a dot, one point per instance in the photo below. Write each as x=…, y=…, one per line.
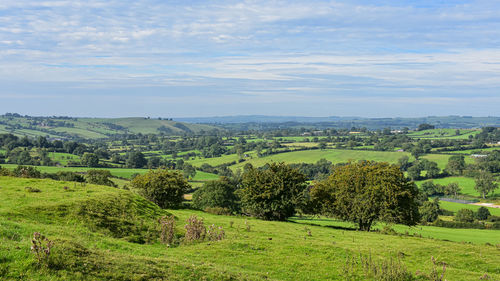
x=214, y=58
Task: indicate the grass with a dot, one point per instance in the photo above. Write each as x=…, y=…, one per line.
x=444, y=134
x=466, y=184
x=333, y=155
x=270, y=250
x=454, y=207
x=63, y=158
x=479, y=236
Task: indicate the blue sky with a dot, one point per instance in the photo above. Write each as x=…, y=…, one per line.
x=214, y=58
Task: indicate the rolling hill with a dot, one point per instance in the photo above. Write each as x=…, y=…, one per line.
x=93, y=128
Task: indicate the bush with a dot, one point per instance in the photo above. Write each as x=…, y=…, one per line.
x=464, y=215
x=457, y=224
x=26, y=172
x=482, y=213
x=218, y=211
x=100, y=177
x=216, y=194
x=163, y=187
x=429, y=211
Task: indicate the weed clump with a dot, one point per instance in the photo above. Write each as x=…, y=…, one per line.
x=195, y=229
x=215, y=233
x=435, y=274
x=167, y=234
x=40, y=247
x=32, y=189
x=385, y=270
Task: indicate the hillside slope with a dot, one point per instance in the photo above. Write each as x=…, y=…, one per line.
x=93, y=128
x=106, y=233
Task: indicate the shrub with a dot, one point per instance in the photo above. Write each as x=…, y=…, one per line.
x=482, y=213
x=5, y=172
x=40, y=247
x=218, y=211
x=26, y=172
x=464, y=215
x=69, y=176
x=101, y=177
x=216, y=194
x=429, y=211
x=195, y=229
x=163, y=187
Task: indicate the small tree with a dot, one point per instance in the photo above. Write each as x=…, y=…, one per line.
x=452, y=189
x=456, y=165
x=272, y=193
x=485, y=183
x=429, y=211
x=483, y=213
x=368, y=191
x=464, y=215
x=101, y=177
x=90, y=160
x=217, y=193
x=163, y=187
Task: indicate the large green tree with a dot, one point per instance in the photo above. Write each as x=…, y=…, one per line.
x=272, y=193
x=365, y=192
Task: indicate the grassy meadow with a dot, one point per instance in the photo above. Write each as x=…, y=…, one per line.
x=86, y=247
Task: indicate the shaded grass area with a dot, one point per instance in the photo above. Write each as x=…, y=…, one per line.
x=479, y=236
x=253, y=249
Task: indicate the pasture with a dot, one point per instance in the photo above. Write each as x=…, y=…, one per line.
x=253, y=249
x=466, y=184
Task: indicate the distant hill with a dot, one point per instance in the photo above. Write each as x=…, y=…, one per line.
x=280, y=122
x=93, y=128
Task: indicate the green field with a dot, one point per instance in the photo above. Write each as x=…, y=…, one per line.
x=466, y=185
x=443, y=134
x=452, y=206
x=270, y=250
x=480, y=236
x=63, y=158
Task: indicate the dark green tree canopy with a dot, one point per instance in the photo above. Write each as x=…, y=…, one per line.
x=101, y=177
x=136, y=160
x=272, y=193
x=165, y=188
x=368, y=191
x=218, y=193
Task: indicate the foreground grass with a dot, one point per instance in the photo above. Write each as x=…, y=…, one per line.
x=252, y=250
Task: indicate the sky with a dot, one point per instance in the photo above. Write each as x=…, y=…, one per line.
x=119, y=58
